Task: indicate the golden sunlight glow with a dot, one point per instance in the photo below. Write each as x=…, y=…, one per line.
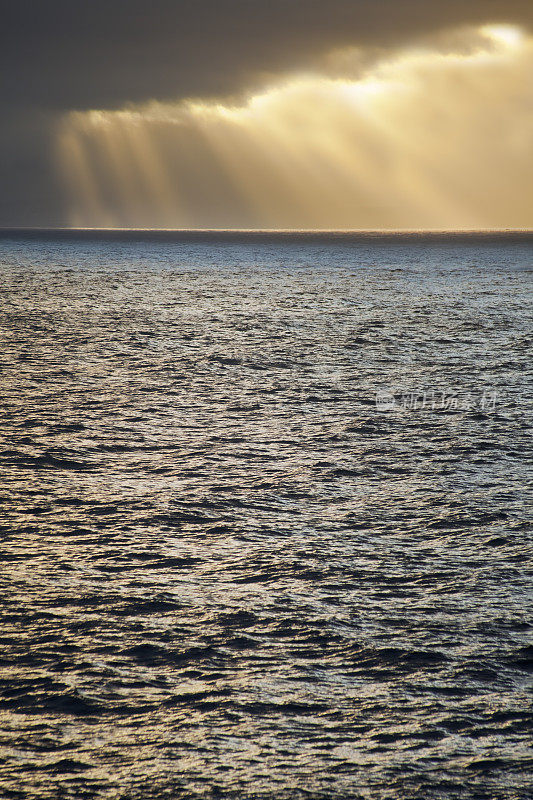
x=437, y=137
x=509, y=35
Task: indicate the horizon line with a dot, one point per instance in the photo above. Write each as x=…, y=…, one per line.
x=88, y=229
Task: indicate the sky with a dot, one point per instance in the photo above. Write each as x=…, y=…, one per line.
x=255, y=114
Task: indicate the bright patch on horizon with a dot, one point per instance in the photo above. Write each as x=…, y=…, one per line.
x=433, y=137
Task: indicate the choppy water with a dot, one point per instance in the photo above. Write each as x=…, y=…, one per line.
x=226, y=573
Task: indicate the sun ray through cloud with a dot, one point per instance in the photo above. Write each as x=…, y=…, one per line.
x=433, y=136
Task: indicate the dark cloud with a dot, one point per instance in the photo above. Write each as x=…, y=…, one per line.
x=57, y=55
x=103, y=53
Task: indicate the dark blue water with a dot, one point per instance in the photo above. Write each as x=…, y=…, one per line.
x=266, y=517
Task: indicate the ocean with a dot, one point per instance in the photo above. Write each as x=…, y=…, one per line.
x=266, y=515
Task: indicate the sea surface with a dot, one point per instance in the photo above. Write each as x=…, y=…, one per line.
x=266, y=519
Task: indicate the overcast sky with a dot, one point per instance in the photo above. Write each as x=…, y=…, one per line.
x=59, y=55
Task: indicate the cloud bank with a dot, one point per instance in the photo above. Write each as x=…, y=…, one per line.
x=437, y=136
x=63, y=56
